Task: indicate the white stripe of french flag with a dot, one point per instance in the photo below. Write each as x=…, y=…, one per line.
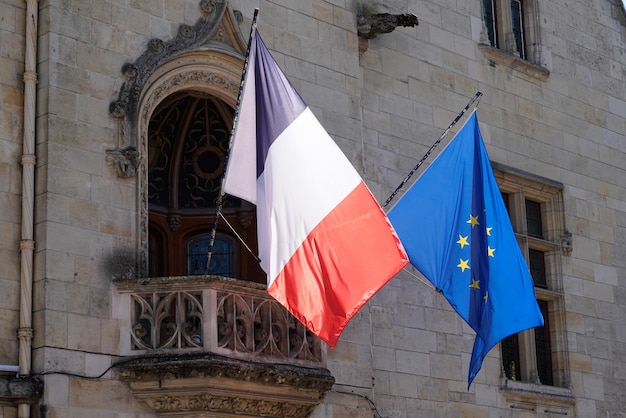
x=324, y=241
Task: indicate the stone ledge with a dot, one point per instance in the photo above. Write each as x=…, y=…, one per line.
x=194, y=384
x=541, y=399
x=183, y=283
x=497, y=56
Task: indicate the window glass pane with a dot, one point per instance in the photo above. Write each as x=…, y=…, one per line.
x=489, y=16
x=537, y=267
x=533, y=219
x=542, y=347
x=510, y=357
x=517, y=26
x=221, y=256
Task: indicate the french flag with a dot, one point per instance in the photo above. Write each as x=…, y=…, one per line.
x=324, y=241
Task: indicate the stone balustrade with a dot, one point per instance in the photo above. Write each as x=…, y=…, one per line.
x=228, y=317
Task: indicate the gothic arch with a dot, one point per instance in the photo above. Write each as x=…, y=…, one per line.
x=206, y=58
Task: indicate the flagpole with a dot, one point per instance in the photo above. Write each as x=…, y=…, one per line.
x=476, y=98
x=220, y=198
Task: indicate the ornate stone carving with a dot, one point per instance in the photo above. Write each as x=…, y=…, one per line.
x=192, y=384
x=371, y=25
x=208, y=6
x=125, y=161
x=566, y=243
x=260, y=325
x=159, y=51
x=186, y=31
x=167, y=320
x=228, y=405
x=243, y=321
x=130, y=70
x=163, y=69
x=173, y=222
x=156, y=46
x=187, y=77
x=117, y=109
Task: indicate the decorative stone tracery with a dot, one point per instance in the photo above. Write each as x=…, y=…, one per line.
x=216, y=26
x=216, y=31
x=209, y=346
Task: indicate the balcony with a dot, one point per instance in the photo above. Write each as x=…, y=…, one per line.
x=194, y=346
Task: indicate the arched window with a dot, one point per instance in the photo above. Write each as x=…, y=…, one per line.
x=188, y=137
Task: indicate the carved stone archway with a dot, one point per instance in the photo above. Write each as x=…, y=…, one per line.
x=205, y=58
x=215, y=73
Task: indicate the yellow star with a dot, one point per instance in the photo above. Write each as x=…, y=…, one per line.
x=473, y=220
x=490, y=251
x=486, y=296
x=488, y=231
x=462, y=241
x=463, y=264
x=474, y=284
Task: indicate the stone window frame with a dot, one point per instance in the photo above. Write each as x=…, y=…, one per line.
x=502, y=49
x=502, y=28
x=555, y=243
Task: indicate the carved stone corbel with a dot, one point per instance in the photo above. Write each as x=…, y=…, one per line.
x=124, y=160
x=566, y=243
x=174, y=221
x=371, y=25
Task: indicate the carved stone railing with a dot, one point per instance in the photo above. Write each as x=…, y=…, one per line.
x=211, y=314
x=211, y=346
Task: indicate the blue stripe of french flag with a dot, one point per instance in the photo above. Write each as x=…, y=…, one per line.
x=324, y=241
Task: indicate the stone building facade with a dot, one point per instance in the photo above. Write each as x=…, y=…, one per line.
x=113, y=119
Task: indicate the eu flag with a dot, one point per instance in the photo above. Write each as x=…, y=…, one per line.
x=457, y=233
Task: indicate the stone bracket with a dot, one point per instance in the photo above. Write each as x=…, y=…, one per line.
x=371, y=25
x=17, y=390
x=124, y=160
x=197, y=384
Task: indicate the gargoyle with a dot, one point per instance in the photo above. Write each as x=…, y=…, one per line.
x=369, y=26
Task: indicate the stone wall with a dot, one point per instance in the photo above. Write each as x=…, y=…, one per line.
x=385, y=102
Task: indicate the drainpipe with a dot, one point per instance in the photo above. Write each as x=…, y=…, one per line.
x=27, y=244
